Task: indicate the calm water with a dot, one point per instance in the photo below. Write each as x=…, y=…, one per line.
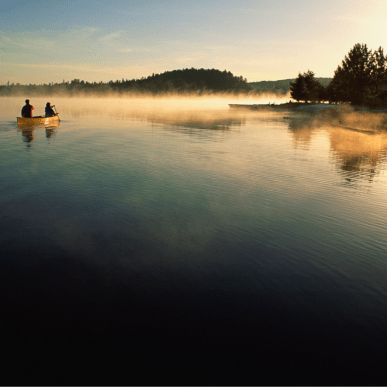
x=210, y=244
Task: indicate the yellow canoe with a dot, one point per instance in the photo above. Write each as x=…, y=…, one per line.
x=38, y=120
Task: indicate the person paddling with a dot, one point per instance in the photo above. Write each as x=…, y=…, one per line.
x=27, y=109
x=49, y=110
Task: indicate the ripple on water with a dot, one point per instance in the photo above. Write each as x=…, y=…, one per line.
x=260, y=222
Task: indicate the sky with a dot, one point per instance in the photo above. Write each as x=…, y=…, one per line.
x=50, y=41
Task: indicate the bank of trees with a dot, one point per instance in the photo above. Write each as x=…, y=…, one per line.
x=177, y=81
x=280, y=87
x=361, y=79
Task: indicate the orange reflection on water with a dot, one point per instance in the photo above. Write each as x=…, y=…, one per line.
x=357, y=152
x=27, y=131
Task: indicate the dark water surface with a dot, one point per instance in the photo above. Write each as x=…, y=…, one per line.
x=178, y=242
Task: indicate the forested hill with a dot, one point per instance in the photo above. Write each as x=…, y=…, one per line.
x=193, y=80
x=176, y=81
x=282, y=86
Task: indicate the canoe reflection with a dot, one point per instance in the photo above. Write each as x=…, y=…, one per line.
x=28, y=135
x=51, y=131
x=27, y=131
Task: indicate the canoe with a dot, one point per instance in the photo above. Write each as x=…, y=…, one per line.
x=38, y=120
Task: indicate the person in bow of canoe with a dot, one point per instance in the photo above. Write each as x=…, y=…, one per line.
x=27, y=109
x=49, y=111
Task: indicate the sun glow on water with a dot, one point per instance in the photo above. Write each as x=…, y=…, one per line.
x=190, y=215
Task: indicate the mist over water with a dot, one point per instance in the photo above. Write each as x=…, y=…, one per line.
x=180, y=231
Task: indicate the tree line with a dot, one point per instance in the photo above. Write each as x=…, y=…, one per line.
x=176, y=81
x=280, y=87
x=361, y=79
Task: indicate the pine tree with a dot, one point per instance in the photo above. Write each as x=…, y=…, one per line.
x=298, y=89
x=312, y=85
x=354, y=75
x=376, y=90
x=307, y=88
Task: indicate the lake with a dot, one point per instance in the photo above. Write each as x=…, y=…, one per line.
x=188, y=243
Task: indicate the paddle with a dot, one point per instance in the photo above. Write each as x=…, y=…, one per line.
x=56, y=113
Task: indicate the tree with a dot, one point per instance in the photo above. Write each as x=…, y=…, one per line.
x=361, y=79
x=322, y=94
x=352, y=78
x=307, y=88
x=336, y=89
x=313, y=87
x=376, y=90
x=298, y=89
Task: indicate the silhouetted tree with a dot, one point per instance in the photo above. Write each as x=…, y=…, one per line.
x=376, y=89
x=298, y=89
x=313, y=87
x=361, y=79
x=307, y=88
x=322, y=94
x=352, y=78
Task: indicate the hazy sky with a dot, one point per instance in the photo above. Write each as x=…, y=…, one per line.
x=47, y=41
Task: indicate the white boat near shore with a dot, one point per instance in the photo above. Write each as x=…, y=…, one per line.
x=38, y=120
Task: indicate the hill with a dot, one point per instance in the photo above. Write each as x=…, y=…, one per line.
x=191, y=80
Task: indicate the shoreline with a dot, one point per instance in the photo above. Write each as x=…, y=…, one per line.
x=306, y=106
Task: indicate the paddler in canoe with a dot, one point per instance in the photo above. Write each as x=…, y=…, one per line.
x=27, y=109
x=51, y=115
x=49, y=110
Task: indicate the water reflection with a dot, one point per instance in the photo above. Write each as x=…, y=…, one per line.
x=214, y=120
x=51, y=131
x=302, y=129
x=27, y=131
x=198, y=121
x=357, y=155
x=28, y=135
x=179, y=113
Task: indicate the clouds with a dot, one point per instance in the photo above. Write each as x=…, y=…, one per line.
x=60, y=67
x=255, y=39
x=39, y=73
x=83, y=32
x=39, y=44
x=112, y=36
x=138, y=49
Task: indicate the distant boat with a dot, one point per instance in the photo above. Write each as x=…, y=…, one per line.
x=38, y=120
